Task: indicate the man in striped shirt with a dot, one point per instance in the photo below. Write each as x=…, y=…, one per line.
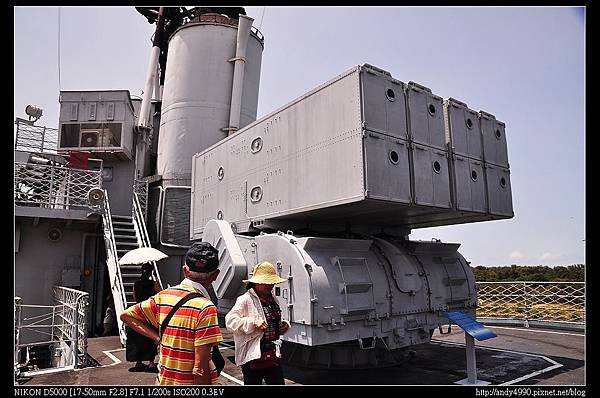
x=185, y=349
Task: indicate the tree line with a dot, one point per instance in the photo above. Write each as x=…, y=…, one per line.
x=571, y=273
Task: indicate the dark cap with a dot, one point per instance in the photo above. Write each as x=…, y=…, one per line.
x=147, y=267
x=202, y=257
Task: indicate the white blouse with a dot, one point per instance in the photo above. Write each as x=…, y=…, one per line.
x=241, y=320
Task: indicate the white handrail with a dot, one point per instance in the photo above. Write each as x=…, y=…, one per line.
x=112, y=261
x=141, y=231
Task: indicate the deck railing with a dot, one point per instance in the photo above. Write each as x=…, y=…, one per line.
x=558, y=304
x=32, y=138
x=62, y=327
x=55, y=187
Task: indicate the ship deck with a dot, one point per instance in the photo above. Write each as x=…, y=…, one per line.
x=517, y=356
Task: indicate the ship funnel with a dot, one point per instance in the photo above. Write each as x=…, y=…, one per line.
x=211, y=83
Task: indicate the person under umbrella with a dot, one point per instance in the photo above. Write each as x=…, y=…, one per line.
x=140, y=348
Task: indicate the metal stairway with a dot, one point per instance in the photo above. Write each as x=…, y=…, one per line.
x=112, y=263
x=126, y=240
x=122, y=234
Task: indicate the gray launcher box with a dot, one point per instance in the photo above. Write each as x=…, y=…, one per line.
x=493, y=132
x=479, y=160
x=340, y=155
x=462, y=129
x=463, y=136
x=497, y=168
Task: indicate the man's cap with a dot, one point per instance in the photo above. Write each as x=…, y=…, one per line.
x=202, y=257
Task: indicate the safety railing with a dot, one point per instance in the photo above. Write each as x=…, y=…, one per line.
x=140, y=188
x=141, y=232
x=114, y=271
x=17, y=322
x=61, y=327
x=55, y=187
x=32, y=138
x=559, y=304
x=78, y=303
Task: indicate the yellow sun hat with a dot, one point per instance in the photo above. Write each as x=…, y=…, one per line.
x=264, y=273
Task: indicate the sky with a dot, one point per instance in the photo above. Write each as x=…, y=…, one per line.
x=525, y=65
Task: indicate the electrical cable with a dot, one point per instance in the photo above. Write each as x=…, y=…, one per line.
x=58, y=50
x=261, y=18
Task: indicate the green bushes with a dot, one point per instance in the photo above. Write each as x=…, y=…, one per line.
x=571, y=273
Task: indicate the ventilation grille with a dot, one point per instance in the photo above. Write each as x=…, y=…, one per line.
x=175, y=226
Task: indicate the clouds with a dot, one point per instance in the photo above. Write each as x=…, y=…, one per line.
x=515, y=255
x=534, y=257
x=547, y=256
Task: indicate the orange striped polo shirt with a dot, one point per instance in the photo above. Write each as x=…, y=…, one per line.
x=195, y=323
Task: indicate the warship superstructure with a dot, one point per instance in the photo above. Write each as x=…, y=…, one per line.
x=328, y=188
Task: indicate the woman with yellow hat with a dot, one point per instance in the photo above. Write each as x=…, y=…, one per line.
x=256, y=323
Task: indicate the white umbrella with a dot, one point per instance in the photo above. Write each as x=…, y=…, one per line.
x=142, y=255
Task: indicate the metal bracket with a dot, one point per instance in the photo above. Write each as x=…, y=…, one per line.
x=362, y=347
x=237, y=59
x=442, y=331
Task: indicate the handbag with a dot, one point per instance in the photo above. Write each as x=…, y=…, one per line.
x=268, y=359
x=216, y=356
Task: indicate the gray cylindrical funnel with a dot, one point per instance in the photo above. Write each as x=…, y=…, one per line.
x=197, y=91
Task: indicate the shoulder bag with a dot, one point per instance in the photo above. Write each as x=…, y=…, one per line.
x=217, y=358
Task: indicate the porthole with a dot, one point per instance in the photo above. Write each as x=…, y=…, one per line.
x=437, y=167
x=394, y=158
x=498, y=134
x=469, y=123
x=221, y=173
x=431, y=109
x=219, y=215
x=473, y=175
x=390, y=94
x=256, y=194
x=503, y=182
x=256, y=145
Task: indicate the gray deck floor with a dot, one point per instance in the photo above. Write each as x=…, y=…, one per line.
x=519, y=356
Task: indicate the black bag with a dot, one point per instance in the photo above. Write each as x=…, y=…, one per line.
x=268, y=359
x=217, y=358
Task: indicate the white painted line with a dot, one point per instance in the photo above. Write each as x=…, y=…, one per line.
x=537, y=331
x=116, y=360
x=46, y=371
x=228, y=377
x=554, y=366
x=558, y=365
